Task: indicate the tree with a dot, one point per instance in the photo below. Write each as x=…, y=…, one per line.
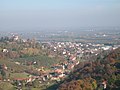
x=36, y=83
x=3, y=73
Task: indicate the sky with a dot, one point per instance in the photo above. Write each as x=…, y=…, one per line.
x=58, y=14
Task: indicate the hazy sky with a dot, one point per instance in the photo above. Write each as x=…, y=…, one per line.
x=37, y=14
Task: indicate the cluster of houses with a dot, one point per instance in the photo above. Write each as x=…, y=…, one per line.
x=76, y=50
x=74, y=53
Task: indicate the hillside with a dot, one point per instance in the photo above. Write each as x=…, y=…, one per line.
x=101, y=74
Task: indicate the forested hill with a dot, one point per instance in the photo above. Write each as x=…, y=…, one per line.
x=99, y=75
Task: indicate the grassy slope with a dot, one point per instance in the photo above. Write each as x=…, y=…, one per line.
x=41, y=60
x=12, y=65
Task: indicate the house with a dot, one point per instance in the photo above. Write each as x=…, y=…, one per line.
x=5, y=67
x=4, y=50
x=15, y=38
x=17, y=63
x=70, y=66
x=104, y=83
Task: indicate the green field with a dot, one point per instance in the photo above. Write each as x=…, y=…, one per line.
x=41, y=60
x=18, y=75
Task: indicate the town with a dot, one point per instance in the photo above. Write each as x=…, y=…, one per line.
x=69, y=53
